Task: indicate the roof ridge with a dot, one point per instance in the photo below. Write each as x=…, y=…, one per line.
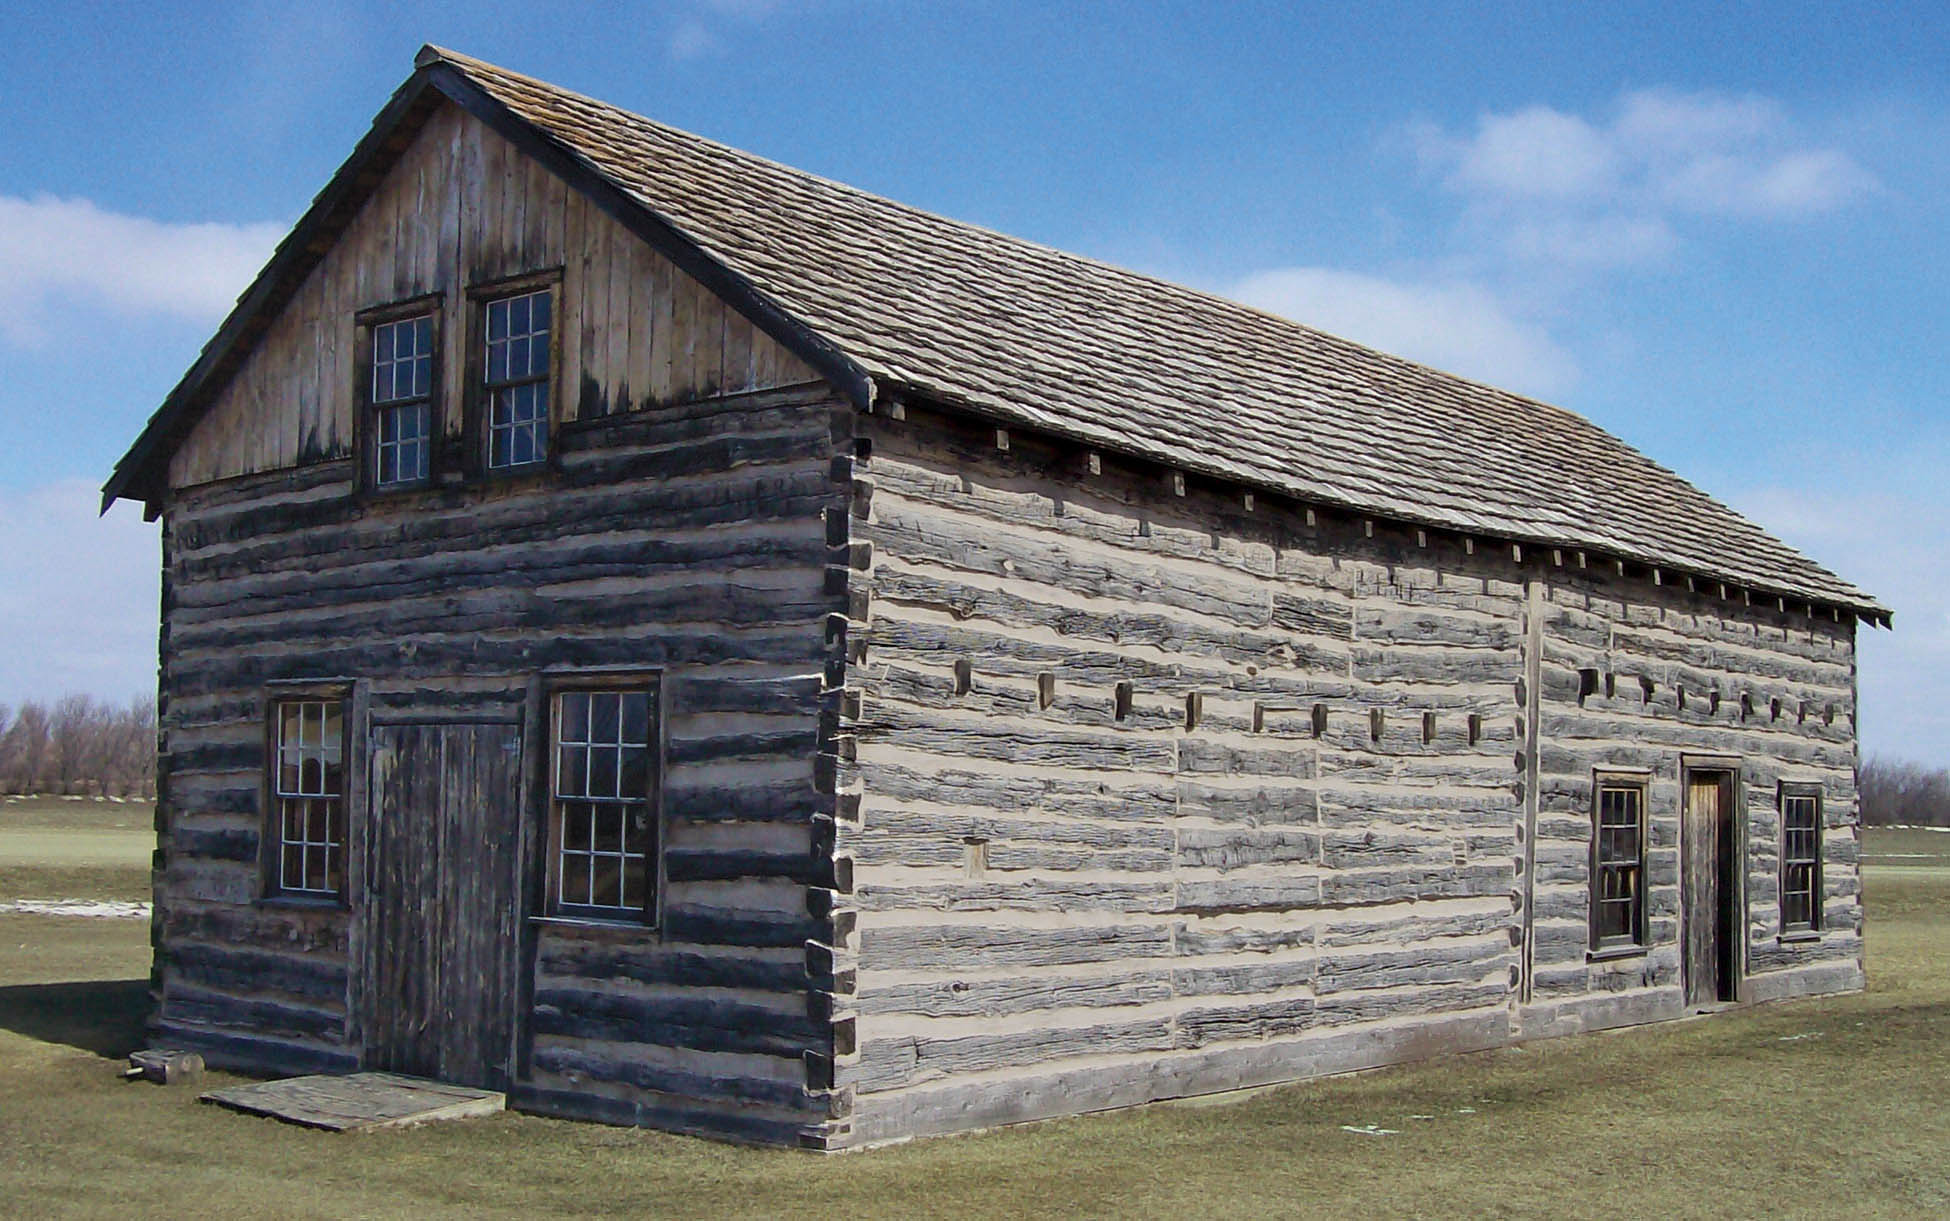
x=1037, y=336
x=430, y=53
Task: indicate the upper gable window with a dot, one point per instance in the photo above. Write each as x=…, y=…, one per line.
x=515, y=380
x=402, y=400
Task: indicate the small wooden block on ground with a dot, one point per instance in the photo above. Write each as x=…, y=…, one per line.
x=165, y=1066
x=358, y=1102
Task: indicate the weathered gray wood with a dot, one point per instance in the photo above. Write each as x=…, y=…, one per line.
x=441, y=942
x=360, y=1102
x=1341, y=812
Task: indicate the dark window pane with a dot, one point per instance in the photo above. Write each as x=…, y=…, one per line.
x=609, y=828
x=607, y=888
x=575, y=826
x=636, y=718
x=572, y=774
x=602, y=771
x=575, y=717
x=575, y=879
x=603, y=708
x=636, y=773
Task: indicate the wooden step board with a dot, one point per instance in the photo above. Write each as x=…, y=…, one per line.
x=359, y=1102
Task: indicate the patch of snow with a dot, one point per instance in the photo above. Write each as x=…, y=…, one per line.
x=106, y=909
x=1369, y=1130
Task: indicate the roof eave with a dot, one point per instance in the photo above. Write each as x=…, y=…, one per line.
x=1864, y=608
x=136, y=475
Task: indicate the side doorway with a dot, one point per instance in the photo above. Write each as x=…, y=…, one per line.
x=442, y=901
x=1712, y=883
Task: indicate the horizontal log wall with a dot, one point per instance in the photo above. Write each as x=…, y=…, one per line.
x=462, y=207
x=691, y=539
x=1159, y=791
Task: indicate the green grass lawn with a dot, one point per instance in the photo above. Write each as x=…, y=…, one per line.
x=58, y=848
x=1831, y=1107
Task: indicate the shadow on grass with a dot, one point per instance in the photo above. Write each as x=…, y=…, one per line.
x=103, y=1016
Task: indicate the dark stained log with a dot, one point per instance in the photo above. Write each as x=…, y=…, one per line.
x=185, y=1003
x=264, y=1054
x=671, y=1020
x=318, y=980
x=563, y=960
x=677, y=1084
x=731, y=1121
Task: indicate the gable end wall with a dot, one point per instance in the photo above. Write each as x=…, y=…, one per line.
x=688, y=535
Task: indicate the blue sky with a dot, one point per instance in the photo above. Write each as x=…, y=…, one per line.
x=1718, y=233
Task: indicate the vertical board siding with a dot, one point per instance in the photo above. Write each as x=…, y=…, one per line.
x=462, y=207
x=1062, y=907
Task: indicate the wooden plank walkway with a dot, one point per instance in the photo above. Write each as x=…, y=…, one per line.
x=359, y=1102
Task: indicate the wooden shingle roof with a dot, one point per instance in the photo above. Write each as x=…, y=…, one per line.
x=919, y=305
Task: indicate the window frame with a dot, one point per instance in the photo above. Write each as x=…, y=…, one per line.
x=1636, y=939
x=273, y=825
x=647, y=916
x=366, y=324
x=1797, y=791
x=477, y=424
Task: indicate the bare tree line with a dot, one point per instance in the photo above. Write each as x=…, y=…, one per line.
x=1898, y=794
x=79, y=746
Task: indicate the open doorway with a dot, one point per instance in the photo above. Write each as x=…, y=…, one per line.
x=1710, y=855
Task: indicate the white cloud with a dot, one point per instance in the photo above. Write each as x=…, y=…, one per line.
x=692, y=39
x=1596, y=242
x=1552, y=187
x=78, y=605
x=70, y=248
x=696, y=34
x=1534, y=152
x=1454, y=325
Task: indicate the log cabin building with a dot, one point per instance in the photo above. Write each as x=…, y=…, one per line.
x=694, y=644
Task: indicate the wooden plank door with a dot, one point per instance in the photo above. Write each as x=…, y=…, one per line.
x=1708, y=849
x=441, y=907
